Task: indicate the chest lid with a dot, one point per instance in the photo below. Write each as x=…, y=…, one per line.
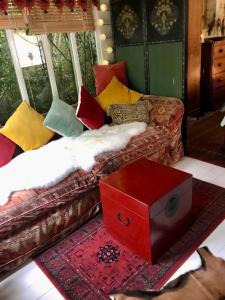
x=145, y=181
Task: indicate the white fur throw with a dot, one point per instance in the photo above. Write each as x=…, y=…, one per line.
x=51, y=163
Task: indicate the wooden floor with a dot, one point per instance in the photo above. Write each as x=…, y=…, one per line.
x=30, y=283
x=209, y=126
x=206, y=138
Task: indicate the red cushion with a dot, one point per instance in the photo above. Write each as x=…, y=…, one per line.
x=7, y=149
x=104, y=74
x=89, y=111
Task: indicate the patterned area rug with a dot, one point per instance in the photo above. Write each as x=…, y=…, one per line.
x=89, y=264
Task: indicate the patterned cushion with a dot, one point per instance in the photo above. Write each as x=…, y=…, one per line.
x=126, y=113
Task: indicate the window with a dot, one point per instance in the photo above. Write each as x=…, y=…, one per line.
x=87, y=56
x=42, y=61
x=9, y=91
x=39, y=76
x=32, y=62
x=63, y=67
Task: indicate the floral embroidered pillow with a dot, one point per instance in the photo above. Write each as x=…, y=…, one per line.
x=126, y=113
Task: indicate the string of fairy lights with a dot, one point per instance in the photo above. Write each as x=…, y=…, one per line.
x=103, y=36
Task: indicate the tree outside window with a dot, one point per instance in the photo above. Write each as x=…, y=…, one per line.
x=63, y=67
x=34, y=68
x=88, y=57
x=10, y=96
x=35, y=73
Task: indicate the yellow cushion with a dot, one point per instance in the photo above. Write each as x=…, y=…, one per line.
x=117, y=93
x=25, y=128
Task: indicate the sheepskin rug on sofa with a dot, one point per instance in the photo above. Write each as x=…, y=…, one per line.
x=46, y=166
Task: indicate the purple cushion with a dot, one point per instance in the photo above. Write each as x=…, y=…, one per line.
x=7, y=149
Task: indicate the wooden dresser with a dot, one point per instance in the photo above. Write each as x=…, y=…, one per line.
x=212, y=75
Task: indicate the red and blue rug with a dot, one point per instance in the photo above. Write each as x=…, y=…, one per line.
x=89, y=264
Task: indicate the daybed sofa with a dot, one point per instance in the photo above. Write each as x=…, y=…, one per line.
x=34, y=219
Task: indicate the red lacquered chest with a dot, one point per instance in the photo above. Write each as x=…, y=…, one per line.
x=147, y=206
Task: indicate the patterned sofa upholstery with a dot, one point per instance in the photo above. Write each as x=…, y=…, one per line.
x=34, y=219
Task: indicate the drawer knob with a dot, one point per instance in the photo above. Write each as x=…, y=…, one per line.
x=172, y=206
x=219, y=64
x=220, y=50
x=125, y=221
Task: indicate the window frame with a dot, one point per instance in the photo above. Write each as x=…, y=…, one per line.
x=16, y=64
x=49, y=63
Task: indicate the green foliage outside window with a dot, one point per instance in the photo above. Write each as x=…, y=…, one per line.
x=63, y=67
x=37, y=81
x=88, y=57
x=36, y=76
x=38, y=87
x=9, y=91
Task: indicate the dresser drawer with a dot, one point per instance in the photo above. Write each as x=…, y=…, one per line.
x=218, y=65
x=219, y=51
x=218, y=81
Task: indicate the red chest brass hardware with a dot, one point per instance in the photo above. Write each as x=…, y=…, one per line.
x=125, y=221
x=172, y=206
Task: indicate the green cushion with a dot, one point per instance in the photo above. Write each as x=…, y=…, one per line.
x=61, y=118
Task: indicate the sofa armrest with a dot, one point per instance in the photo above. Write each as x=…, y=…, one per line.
x=166, y=111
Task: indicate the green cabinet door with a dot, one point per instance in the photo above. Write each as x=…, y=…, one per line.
x=134, y=56
x=166, y=69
